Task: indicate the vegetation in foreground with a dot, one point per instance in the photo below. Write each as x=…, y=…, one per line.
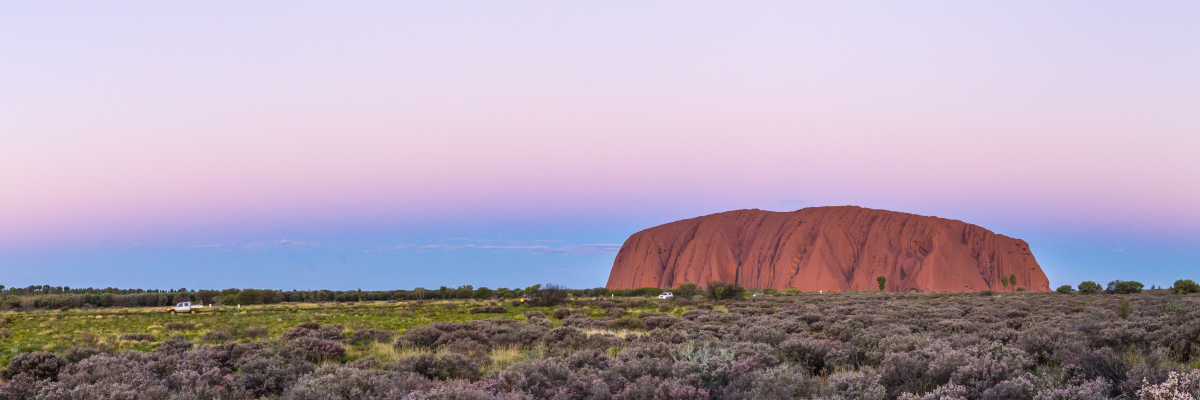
x=782, y=346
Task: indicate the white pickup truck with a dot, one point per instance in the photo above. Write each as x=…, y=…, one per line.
x=185, y=307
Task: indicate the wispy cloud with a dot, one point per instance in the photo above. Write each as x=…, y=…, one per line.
x=203, y=246
x=292, y=243
x=576, y=249
x=281, y=243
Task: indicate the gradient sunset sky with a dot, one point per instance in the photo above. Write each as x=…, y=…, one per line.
x=376, y=145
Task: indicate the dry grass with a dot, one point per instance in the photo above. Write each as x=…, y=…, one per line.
x=385, y=352
x=621, y=333
x=506, y=356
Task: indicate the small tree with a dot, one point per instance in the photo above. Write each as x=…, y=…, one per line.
x=1125, y=287
x=552, y=294
x=1185, y=286
x=1012, y=280
x=687, y=290
x=1089, y=287
x=718, y=290
x=1123, y=309
x=1064, y=289
x=1004, y=281
x=882, y=282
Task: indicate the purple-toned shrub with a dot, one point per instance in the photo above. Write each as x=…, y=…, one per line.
x=660, y=321
x=339, y=382
x=37, y=365
x=487, y=310
x=372, y=335
x=818, y=356
x=626, y=324
x=174, y=345
x=649, y=387
x=255, y=332
x=561, y=313
x=450, y=366
x=1091, y=390
x=863, y=385
x=137, y=336
x=784, y=382
x=420, y=337
x=312, y=349
x=263, y=376
x=77, y=354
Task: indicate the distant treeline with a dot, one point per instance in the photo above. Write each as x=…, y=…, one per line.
x=64, y=297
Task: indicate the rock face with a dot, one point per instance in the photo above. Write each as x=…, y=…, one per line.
x=826, y=249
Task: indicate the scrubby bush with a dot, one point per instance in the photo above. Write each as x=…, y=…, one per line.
x=37, y=365
x=219, y=334
x=718, y=290
x=255, y=332
x=344, y=383
x=686, y=290
x=552, y=295
x=1064, y=289
x=627, y=323
x=449, y=366
x=1176, y=386
x=486, y=310
x=313, y=349
x=371, y=335
x=1124, y=287
x=1185, y=286
x=77, y=354
x=1089, y=287
x=137, y=336
x=562, y=313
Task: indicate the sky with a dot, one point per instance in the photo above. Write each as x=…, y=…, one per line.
x=390, y=145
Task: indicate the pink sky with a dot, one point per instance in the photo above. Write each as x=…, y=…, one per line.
x=125, y=122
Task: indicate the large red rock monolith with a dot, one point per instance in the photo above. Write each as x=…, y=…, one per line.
x=826, y=249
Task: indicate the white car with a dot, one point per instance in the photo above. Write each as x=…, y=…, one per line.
x=185, y=307
x=665, y=295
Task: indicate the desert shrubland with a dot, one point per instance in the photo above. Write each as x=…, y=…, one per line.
x=788, y=345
